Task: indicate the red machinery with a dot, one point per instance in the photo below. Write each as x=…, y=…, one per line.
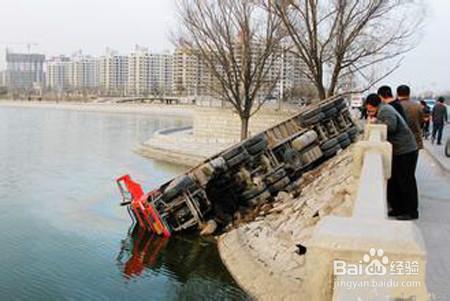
x=141, y=206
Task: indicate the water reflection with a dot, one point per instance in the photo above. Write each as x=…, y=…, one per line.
x=183, y=258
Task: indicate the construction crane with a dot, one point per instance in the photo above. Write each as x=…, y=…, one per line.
x=28, y=45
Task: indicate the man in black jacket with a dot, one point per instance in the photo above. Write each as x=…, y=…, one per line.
x=439, y=117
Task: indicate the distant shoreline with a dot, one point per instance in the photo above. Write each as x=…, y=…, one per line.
x=145, y=109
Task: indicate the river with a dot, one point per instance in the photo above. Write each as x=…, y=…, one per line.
x=64, y=237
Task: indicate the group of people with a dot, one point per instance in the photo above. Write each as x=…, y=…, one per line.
x=438, y=116
x=405, y=120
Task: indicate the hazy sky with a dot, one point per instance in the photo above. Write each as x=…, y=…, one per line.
x=64, y=26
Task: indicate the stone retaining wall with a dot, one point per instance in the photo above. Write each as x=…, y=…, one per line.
x=225, y=126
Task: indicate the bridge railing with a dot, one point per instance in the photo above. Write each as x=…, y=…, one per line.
x=367, y=256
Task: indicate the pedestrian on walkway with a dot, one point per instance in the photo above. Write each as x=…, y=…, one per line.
x=426, y=119
x=385, y=93
x=402, y=187
x=439, y=117
x=413, y=113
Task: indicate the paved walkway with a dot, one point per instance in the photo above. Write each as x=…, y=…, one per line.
x=437, y=151
x=434, y=222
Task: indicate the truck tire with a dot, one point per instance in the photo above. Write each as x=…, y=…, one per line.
x=352, y=131
x=345, y=143
x=280, y=185
x=305, y=122
x=330, y=112
x=253, y=140
x=331, y=143
x=275, y=176
x=258, y=148
x=343, y=136
x=227, y=155
x=178, y=186
x=331, y=152
x=237, y=160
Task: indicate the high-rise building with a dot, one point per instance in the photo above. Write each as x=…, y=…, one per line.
x=84, y=72
x=24, y=71
x=161, y=73
x=191, y=76
x=114, y=73
x=138, y=72
x=58, y=73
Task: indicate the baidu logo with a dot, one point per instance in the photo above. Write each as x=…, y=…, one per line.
x=375, y=263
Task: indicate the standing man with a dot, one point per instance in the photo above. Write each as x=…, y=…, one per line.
x=402, y=186
x=413, y=113
x=439, y=118
x=385, y=93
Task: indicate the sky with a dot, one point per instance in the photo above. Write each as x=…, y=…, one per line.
x=65, y=26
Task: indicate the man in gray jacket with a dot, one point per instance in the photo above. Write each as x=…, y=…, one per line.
x=402, y=186
x=439, y=117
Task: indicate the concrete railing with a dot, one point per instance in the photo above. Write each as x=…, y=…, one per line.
x=364, y=257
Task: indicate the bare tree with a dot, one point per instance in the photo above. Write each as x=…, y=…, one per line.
x=337, y=38
x=238, y=41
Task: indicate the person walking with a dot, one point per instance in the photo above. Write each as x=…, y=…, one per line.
x=413, y=113
x=402, y=187
x=426, y=120
x=385, y=93
x=439, y=117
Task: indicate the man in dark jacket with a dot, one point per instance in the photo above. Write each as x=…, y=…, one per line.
x=385, y=93
x=413, y=113
x=439, y=117
x=402, y=186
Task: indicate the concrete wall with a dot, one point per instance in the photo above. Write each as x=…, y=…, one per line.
x=351, y=241
x=225, y=126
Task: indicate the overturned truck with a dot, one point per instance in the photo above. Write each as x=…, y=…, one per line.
x=244, y=175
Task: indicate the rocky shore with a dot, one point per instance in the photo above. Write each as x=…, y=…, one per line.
x=266, y=256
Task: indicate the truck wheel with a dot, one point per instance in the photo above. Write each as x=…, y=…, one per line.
x=331, y=152
x=276, y=187
x=329, y=144
x=258, y=147
x=178, y=186
x=305, y=122
x=330, y=112
x=236, y=160
x=345, y=143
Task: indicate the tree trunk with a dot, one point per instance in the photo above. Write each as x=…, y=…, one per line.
x=244, y=127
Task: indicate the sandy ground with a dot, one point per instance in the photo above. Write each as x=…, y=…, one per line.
x=148, y=109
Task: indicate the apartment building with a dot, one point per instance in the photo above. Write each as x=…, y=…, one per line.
x=138, y=72
x=24, y=71
x=161, y=73
x=84, y=72
x=191, y=76
x=58, y=73
x=114, y=73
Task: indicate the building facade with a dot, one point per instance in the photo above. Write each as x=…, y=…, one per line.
x=24, y=71
x=138, y=72
x=191, y=76
x=58, y=73
x=160, y=74
x=114, y=74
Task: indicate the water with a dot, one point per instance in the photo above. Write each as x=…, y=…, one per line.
x=63, y=235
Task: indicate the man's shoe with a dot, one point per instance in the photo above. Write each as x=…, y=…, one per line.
x=439, y=143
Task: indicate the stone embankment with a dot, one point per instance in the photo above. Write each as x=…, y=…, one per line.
x=213, y=130
x=264, y=256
